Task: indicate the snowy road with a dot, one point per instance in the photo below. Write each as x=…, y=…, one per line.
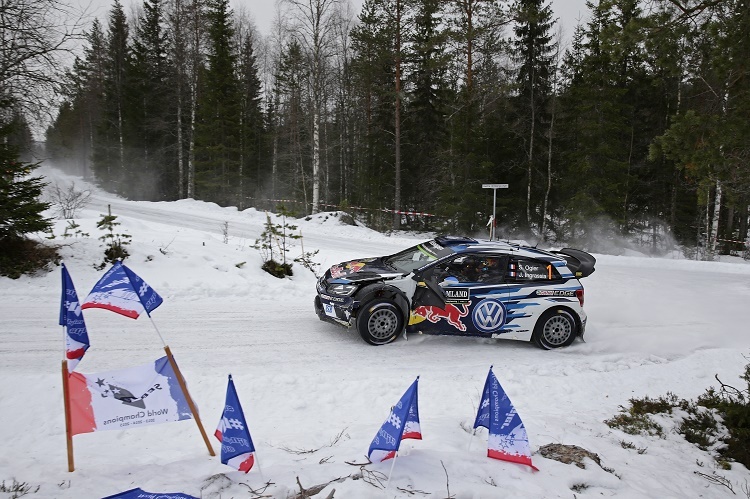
x=654, y=326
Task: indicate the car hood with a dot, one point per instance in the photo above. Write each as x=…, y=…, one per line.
x=362, y=269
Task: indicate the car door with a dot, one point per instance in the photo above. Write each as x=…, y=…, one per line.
x=461, y=296
x=531, y=284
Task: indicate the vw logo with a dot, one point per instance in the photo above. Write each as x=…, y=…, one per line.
x=488, y=315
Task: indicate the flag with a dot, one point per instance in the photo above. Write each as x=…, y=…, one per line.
x=142, y=494
x=127, y=398
x=402, y=423
x=76, y=337
x=121, y=290
x=507, y=440
x=237, y=449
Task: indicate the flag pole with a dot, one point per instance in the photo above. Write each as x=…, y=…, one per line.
x=66, y=399
x=393, y=464
x=184, y=389
x=189, y=399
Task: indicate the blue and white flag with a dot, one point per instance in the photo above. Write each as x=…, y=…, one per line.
x=121, y=290
x=507, y=440
x=76, y=336
x=402, y=423
x=142, y=494
x=237, y=449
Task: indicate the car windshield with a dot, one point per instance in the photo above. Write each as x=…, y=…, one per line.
x=417, y=256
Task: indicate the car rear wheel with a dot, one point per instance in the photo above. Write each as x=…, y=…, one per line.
x=379, y=322
x=555, y=328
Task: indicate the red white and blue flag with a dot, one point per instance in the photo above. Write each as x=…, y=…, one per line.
x=402, y=423
x=127, y=398
x=237, y=449
x=71, y=317
x=121, y=290
x=507, y=439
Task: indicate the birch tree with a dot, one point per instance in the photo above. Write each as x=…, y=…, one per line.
x=317, y=35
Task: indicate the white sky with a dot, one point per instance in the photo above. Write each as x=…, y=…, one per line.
x=262, y=11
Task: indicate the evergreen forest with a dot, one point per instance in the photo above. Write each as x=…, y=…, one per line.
x=634, y=125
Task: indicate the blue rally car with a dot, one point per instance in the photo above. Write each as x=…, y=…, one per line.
x=460, y=286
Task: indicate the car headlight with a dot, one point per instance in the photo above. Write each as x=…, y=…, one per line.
x=342, y=289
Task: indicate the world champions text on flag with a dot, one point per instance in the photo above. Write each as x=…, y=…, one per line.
x=127, y=398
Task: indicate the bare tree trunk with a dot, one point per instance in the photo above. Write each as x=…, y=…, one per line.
x=316, y=160
x=397, y=119
x=241, y=193
x=191, y=146
x=180, y=145
x=549, y=168
x=275, y=152
x=316, y=26
x=122, y=141
x=179, y=41
x=715, y=222
x=530, y=154
x=707, y=241
x=194, y=55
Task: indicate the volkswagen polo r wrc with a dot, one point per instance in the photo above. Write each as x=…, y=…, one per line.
x=460, y=286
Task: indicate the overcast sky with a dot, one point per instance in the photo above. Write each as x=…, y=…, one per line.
x=262, y=11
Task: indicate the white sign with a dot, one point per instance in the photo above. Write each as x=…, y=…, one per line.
x=494, y=186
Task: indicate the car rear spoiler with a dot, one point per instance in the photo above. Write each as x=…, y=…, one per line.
x=579, y=262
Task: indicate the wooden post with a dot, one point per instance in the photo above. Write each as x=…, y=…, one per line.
x=189, y=400
x=66, y=399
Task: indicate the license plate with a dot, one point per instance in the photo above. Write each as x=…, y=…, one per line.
x=328, y=308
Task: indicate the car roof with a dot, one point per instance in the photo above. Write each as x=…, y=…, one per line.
x=471, y=245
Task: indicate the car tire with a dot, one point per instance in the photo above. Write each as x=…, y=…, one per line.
x=380, y=321
x=556, y=328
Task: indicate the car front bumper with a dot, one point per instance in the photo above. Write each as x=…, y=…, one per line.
x=334, y=309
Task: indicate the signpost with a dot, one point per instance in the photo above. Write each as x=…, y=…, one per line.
x=494, y=188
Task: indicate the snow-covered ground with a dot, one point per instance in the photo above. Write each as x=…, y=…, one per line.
x=655, y=325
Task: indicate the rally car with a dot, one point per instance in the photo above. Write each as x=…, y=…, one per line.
x=460, y=286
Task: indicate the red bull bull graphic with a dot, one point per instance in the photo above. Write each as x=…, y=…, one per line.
x=451, y=313
x=339, y=270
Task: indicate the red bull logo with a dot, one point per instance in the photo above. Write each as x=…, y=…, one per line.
x=451, y=313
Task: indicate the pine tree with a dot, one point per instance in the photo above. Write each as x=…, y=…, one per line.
x=533, y=52
x=151, y=108
x=427, y=101
x=252, y=124
x=217, y=143
x=110, y=165
x=293, y=173
x=20, y=207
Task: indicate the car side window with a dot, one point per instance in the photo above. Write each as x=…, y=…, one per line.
x=481, y=268
x=528, y=270
x=465, y=268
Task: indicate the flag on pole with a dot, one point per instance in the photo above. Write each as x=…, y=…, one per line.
x=121, y=290
x=142, y=494
x=71, y=317
x=402, y=423
x=127, y=398
x=507, y=440
x=237, y=449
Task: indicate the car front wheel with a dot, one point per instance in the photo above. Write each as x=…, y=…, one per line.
x=379, y=322
x=555, y=328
